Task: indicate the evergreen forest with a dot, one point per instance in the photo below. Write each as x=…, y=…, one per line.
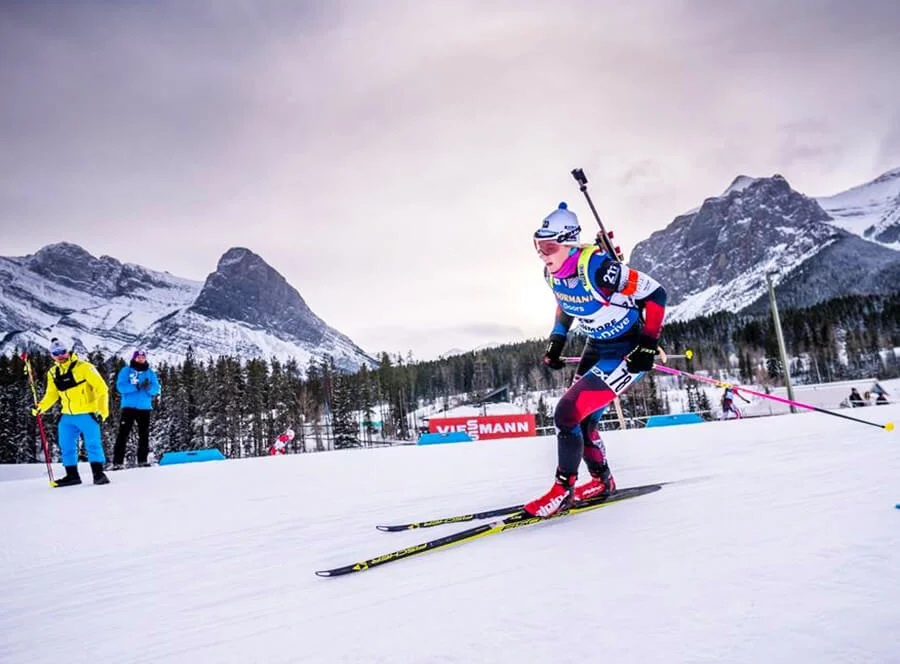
x=240, y=406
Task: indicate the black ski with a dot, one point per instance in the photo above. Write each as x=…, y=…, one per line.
x=474, y=516
x=514, y=520
x=459, y=518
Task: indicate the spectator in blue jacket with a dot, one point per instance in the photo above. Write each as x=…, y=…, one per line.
x=138, y=384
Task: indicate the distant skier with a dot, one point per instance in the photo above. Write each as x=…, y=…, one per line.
x=84, y=404
x=280, y=444
x=728, y=407
x=621, y=311
x=856, y=400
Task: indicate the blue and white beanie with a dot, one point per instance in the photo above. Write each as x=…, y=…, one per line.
x=58, y=347
x=560, y=225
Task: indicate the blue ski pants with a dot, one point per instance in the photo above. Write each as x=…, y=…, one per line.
x=69, y=428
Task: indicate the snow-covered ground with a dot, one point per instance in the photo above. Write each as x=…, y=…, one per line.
x=780, y=543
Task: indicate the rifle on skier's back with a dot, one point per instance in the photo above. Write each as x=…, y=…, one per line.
x=604, y=237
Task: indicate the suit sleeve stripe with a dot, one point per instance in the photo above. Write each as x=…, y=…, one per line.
x=632, y=284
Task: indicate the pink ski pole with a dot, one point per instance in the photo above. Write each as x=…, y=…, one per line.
x=676, y=372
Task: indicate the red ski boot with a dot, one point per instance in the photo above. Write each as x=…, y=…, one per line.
x=600, y=485
x=557, y=498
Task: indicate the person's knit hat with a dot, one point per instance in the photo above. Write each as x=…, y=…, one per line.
x=139, y=351
x=560, y=225
x=57, y=347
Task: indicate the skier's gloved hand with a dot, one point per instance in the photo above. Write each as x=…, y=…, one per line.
x=554, y=350
x=641, y=358
x=35, y=412
x=144, y=384
x=98, y=418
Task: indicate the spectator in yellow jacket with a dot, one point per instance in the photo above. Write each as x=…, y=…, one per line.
x=84, y=403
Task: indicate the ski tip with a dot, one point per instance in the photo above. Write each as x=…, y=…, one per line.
x=52, y=485
x=323, y=573
x=384, y=529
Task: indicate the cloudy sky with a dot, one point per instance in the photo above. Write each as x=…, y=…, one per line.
x=392, y=159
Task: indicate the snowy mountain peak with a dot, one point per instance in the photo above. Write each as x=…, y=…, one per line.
x=890, y=176
x=247, y=289
x=740, y=183
x=62, y=250
x=871, y=210
x=236, y=255
x=244, y=308
x=70, y=265
x=715, y=258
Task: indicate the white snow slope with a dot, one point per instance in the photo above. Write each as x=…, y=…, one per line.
x=782, y=544
x=874, y=207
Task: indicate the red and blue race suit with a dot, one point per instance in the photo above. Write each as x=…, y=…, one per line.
x=615, y=307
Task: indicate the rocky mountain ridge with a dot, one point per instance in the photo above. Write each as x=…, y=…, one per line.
x=244, y=308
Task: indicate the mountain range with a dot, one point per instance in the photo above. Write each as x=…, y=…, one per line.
x=716, y=257
x=244, y=308
x=713, y=258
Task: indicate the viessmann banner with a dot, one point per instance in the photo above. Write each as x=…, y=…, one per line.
x=482, y=428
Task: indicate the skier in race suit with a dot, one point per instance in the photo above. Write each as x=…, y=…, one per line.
x=621, y=311
x=728, y=406
x=280, y=444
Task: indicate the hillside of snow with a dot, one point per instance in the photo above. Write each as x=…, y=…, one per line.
x=871, y=210
x=34, y=304
x=778, y=542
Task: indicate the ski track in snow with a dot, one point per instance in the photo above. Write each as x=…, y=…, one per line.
x=784, y=547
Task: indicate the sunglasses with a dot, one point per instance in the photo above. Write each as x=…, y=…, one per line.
x=549, y=247
x=59, y=353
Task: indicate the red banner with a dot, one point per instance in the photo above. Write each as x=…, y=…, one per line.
x=484, y=427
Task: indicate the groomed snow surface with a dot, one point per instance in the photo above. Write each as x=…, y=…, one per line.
x=780, y=542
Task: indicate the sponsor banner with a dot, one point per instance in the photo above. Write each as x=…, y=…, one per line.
x=484, y=427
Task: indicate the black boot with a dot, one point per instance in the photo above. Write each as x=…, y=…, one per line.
x=71, y=479
x=99, y=476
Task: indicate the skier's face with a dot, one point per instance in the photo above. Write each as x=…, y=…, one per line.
x=61, y=356
x=552, y=253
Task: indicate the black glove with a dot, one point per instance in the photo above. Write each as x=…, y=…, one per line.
x=97, y=418
x=641, y=358
x=144, y=384
x=554, y=350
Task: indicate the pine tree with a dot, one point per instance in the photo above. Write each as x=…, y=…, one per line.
x=189, y=397
x=344, y=424
x=258, y=420
x=223, y=410
x=367, y=403
x=543, y=417
x=16, y=401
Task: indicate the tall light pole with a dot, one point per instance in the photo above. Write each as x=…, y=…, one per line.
x=780, y=336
